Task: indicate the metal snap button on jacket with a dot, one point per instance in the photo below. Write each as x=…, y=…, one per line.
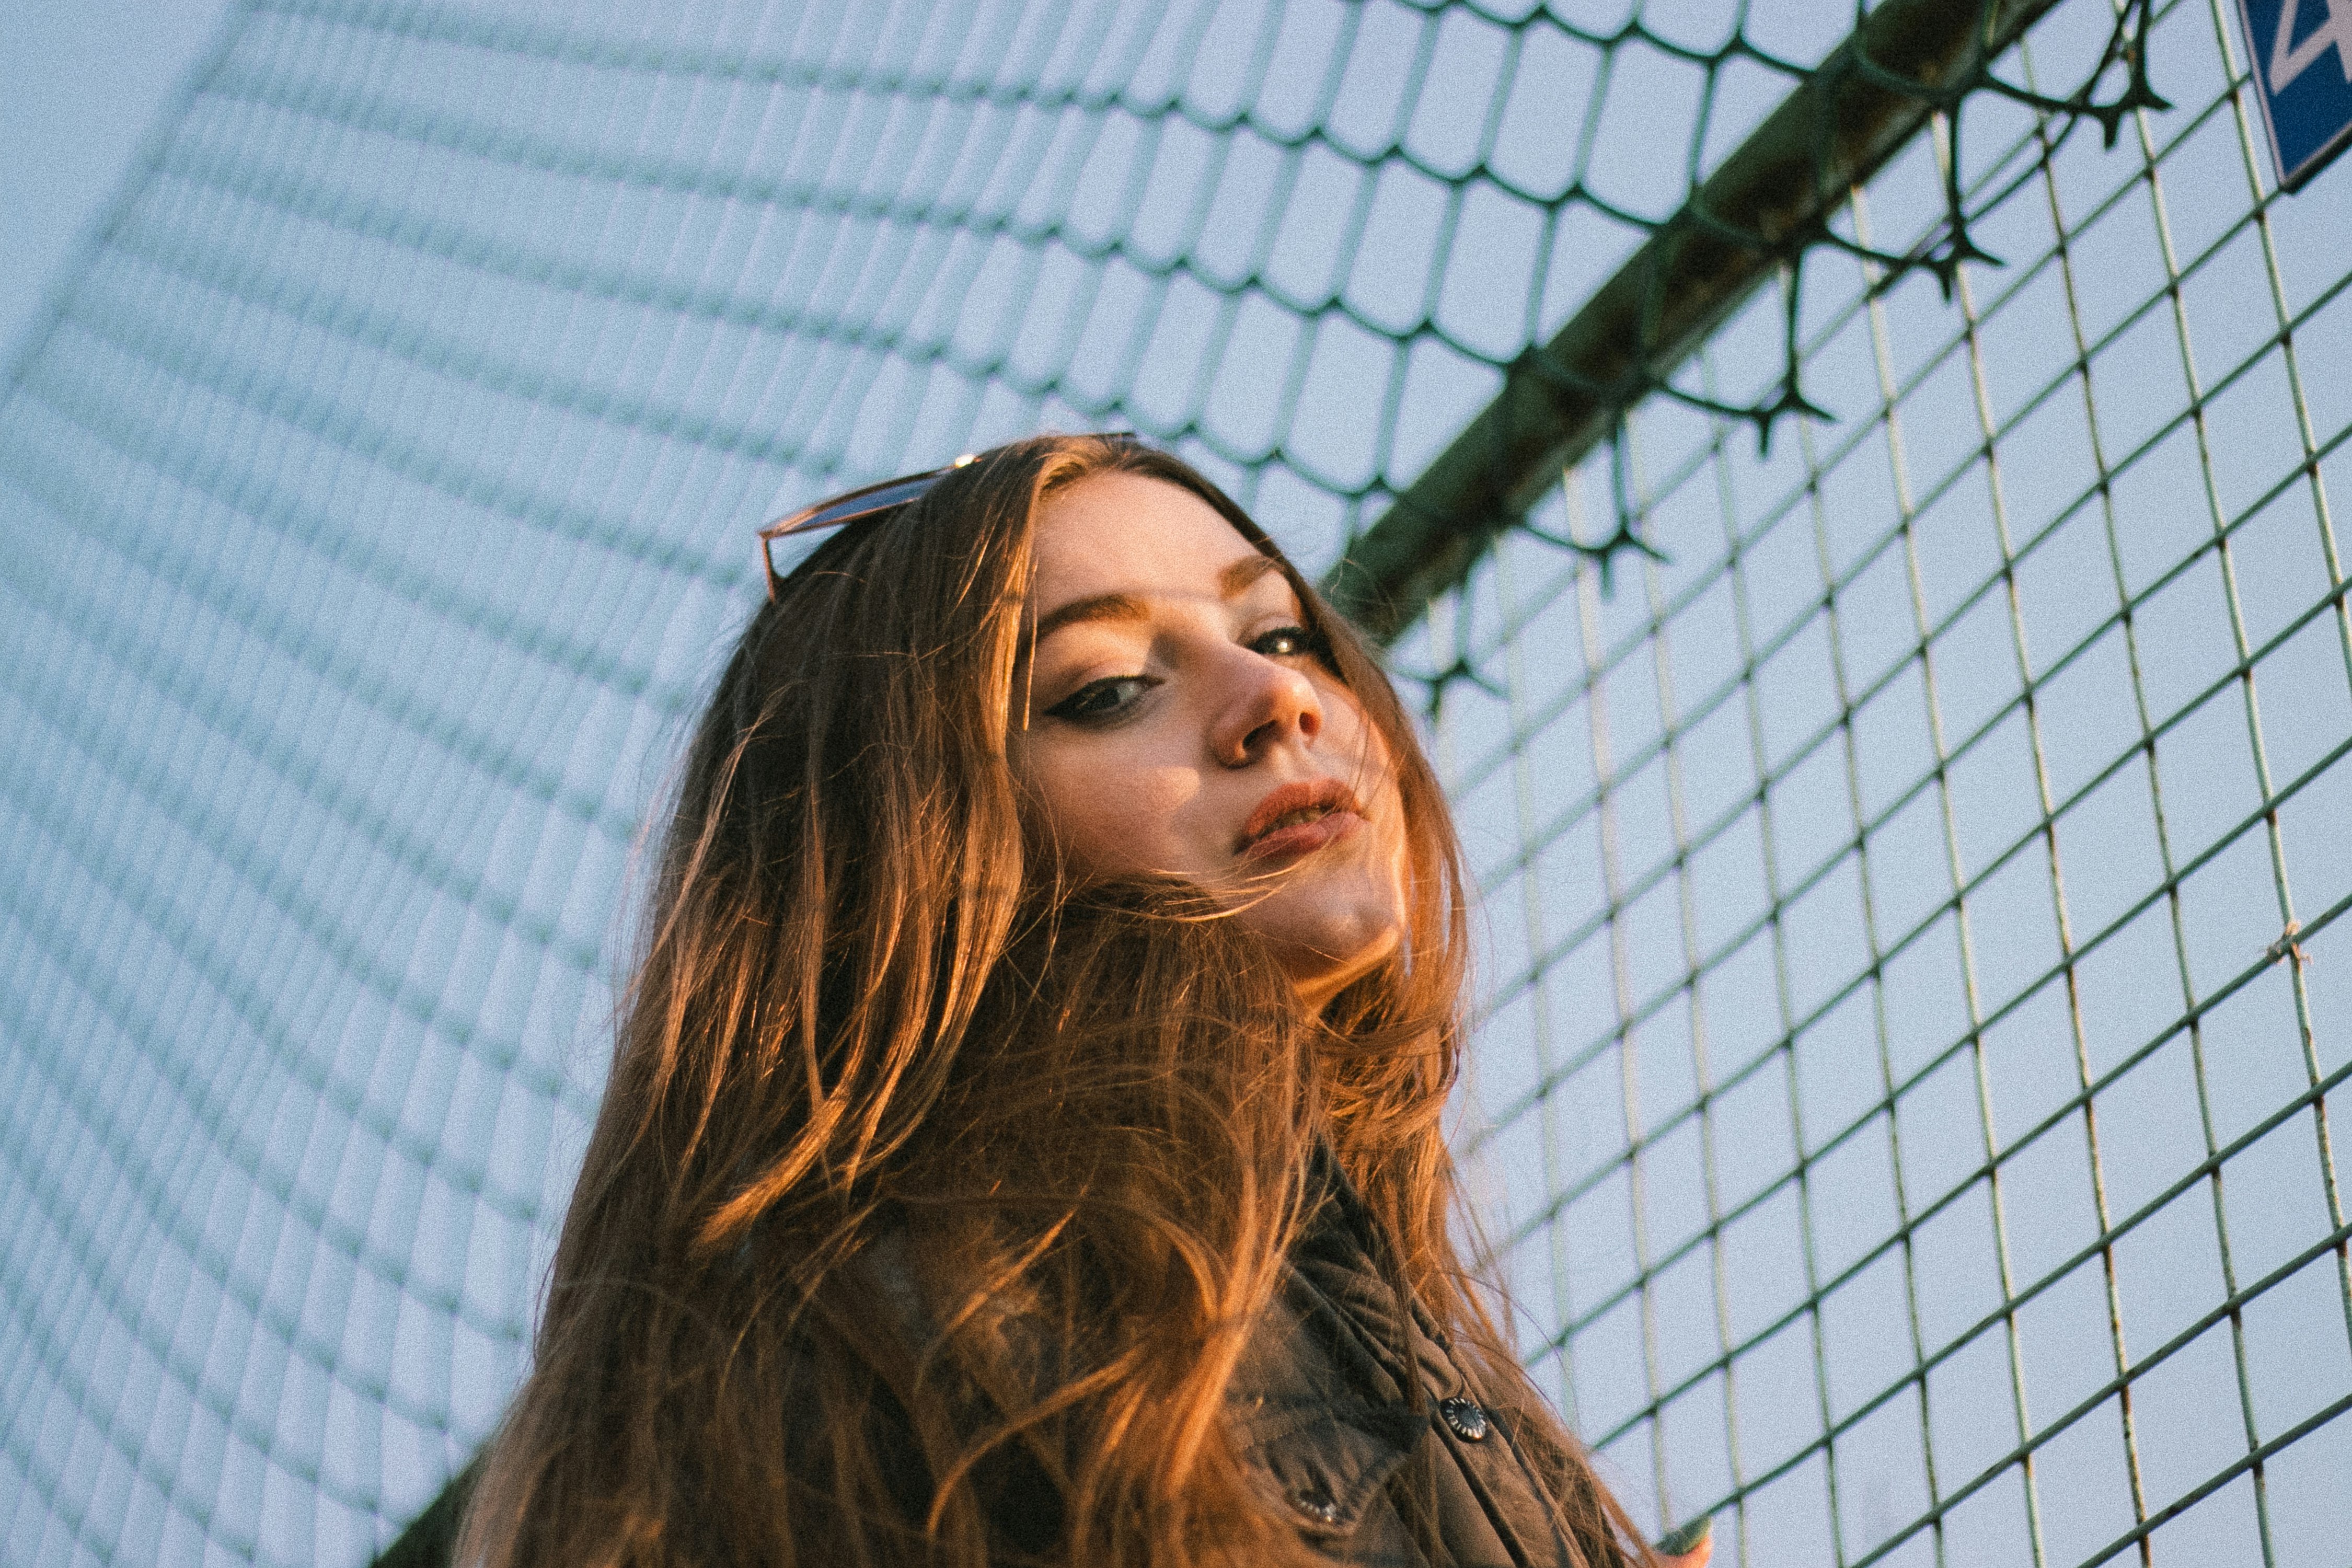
x=1316, y=1503
x=1469, y=1422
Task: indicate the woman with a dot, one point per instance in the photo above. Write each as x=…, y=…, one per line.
x=1023, y=1141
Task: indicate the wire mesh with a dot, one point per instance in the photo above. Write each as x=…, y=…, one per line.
x=1913, y=905
x=1902, y=1094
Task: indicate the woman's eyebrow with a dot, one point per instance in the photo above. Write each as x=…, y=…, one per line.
x=1231, y=582
x=1236, y=578
x=1100, y=607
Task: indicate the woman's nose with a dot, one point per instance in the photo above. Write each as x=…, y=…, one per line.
x=1269, y=702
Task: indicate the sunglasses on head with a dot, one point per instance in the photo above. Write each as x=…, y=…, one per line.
x=865, y=501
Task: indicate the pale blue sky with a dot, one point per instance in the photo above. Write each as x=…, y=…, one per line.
x=82, y=84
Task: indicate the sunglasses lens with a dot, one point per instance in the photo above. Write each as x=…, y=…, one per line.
x=882, y=499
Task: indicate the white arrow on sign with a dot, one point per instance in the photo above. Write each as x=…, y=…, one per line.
x=2290, y=60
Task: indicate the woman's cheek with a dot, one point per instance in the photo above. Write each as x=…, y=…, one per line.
x=1113, y=818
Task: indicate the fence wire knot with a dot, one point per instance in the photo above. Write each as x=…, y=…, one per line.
x=2288, y=946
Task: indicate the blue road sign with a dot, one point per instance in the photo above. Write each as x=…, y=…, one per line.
x=2302, y=54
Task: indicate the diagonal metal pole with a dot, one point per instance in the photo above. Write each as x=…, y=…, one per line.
x=1772, y=198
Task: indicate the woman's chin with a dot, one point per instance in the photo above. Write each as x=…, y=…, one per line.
x=1324, y=964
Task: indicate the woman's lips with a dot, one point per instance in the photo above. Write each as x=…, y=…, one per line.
x=1303, y=837
x=1298, y=818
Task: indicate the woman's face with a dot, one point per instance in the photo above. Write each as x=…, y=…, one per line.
x=1179, y=719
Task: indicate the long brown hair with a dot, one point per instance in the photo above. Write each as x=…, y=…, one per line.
x=913, y=1145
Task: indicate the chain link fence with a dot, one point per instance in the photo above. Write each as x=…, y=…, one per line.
x=1914, y=983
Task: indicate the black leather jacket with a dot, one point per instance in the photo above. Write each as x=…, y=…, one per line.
x=1355, y=1443
x=1377, y=1465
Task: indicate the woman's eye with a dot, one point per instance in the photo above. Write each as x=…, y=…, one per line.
x=1097, y=701
x=1285, y=642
